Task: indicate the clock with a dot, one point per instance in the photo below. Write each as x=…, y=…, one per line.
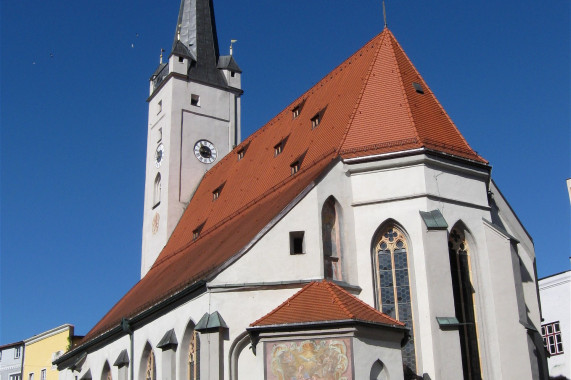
x=205, y=151
x=159, y=155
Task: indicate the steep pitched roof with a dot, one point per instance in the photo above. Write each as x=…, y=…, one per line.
x=366, y=106
x=323, y=302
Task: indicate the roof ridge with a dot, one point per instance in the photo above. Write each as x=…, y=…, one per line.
x=364, y=85
x=337, y=299
x=435, y=99
x=401, y=84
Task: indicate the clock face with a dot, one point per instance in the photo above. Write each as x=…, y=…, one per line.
x=205, y=151
x=159, y=155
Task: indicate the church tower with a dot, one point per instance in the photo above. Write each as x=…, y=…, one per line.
x=194, y=121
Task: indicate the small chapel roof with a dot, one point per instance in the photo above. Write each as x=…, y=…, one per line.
x=375, y=102
x=323, y=301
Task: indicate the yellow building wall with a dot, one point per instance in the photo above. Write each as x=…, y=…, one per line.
x=38, y=355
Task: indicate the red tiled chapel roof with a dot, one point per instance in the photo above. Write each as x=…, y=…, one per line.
x=368, y=106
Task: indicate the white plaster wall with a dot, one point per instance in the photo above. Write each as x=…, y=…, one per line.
x=555, y=293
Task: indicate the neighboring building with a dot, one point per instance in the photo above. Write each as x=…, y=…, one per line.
x=43, y=349
x=11, y=356
x=555, y=295
x=357, y=235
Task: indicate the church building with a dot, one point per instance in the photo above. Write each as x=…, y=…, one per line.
x=356, y=235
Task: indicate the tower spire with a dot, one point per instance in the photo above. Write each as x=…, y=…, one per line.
x=384, y=14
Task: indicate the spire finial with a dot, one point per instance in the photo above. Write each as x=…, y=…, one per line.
x=384, y=14
x=231, y=43
x=161, y=57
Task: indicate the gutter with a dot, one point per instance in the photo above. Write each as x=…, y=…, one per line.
x=126, y=324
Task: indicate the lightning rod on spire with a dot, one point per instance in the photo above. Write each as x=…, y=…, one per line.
x=231, y=43
x=384, y=14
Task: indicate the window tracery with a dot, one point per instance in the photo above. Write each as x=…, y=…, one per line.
x=157, y=190
x=331, y=236
x=151, y=372
x=393, y=285
x=464, y=302
x=194, y=357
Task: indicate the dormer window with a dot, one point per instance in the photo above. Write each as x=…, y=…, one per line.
x=196, y=232
x=278, y=148
x=294, y=167
x=315, y=121
x=295, y=111
x=417, y=87
x=240, y=154
x=216, y=192
x=195, y=100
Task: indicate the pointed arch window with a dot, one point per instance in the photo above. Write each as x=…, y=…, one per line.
x=393, y=284
x=194, y=357
x=151, y=371
x=157, y=191
x=331, y=235
x=464, y=302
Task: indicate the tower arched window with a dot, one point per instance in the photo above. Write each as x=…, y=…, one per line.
x=331, y=234
x=194, y=357
x=106, y=374
x=151, y=371
x=157, y=190
x=393, y=285
x=464, y=302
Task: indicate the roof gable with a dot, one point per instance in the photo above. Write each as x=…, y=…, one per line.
x=323, y=302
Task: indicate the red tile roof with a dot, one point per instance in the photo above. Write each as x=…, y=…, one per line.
x=368, y=106
x=323, y=302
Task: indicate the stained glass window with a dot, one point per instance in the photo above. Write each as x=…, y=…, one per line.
x=393, y=287
x=464, y=303
x=331, y=241
x=151, y=372
x=194, y=357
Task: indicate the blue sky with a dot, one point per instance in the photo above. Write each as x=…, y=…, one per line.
x=74, y=80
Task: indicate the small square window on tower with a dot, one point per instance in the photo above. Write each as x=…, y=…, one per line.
x=195, y=100
x=296, y=243
x=315, y=121
x=159, y=106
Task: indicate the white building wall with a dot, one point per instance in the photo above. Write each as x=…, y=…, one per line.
x=555, y=293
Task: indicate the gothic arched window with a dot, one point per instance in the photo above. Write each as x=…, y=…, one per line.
x=393, y=287
x=194, y=357
x=151, y=371
x=157, y=190
x=331, y=234
x=106, y=375
x=464, y=303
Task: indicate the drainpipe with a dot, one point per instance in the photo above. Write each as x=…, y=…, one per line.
x=126, y=326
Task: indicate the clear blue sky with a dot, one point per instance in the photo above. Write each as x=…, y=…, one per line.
x=74, y=80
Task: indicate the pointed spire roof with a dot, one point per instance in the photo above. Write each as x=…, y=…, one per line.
x=323, y=301
x=195, y=38
x=367, y=106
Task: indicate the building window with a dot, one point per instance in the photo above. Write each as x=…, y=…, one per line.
x=278, y=148
x=331, y=235
x=295, y=111
x=31, y=376
x=216, y=193
x=240, y=154
x=315, y=121
x=195, y=100
x=194, y=357
x=296, y=243
x=417, y=87
x=43, y=374
x=157, y=191
x=463, y=291
x=393, y=285
x=196, y=232
x=15, y=376
x=159, y=106
x=551, y=333
x=151, y=371
x=17, y=352
x=294, y=167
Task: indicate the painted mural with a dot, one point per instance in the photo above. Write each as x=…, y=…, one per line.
x=312, y=359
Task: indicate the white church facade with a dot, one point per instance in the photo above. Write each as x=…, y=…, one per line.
x=357, y=235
